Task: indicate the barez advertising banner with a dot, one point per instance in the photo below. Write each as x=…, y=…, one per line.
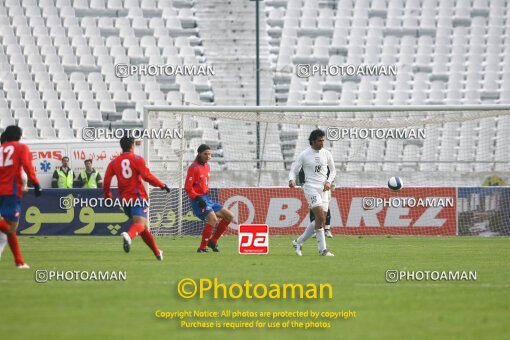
x=357, y=211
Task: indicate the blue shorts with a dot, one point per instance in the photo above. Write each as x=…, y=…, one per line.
x=10, y=207
x=202, y=213
x=136, y=210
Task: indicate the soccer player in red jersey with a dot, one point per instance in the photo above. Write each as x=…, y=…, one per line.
x=14, y=156
x=197, y=188
x=130, y=169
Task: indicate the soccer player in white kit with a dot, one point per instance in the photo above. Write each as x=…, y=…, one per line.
x=315, y=161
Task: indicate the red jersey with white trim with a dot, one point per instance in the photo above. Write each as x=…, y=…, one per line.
x=15, y=156
x=197, y=179
x=129, y=169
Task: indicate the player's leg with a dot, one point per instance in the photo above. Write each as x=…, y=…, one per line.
x=140, y=219
x=139, y=227
x=208, y=215
x=327, y=227
x=9, y=228
x=10, y=208
x=136, y=227
x=309, y=230
x=225, y=216
x=210, y=221
x=3, y=243
x=312, y=218
x=313, y=197
x=3, y=240
x=321, y=237
x=148, y=238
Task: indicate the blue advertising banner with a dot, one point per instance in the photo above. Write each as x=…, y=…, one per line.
x=55, y=213
x=483, y=211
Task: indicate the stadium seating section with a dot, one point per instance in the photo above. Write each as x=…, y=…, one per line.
x=58, y=57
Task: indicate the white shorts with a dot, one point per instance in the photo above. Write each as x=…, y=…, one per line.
x=315, y=196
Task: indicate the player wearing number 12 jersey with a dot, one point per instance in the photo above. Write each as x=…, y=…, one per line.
x=130, y=169
x=14, y=156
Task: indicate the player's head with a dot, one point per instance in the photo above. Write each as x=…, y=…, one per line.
x=2, y=138
x=12, y=133
x=127, y=144
x=65, y=161
x=88, y=164
x=316, y=139
x=204, y=153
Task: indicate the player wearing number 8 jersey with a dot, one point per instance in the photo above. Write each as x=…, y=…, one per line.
x=315, y=162
x=130, y=169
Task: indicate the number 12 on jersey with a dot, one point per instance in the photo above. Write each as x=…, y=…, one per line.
x=6, y=155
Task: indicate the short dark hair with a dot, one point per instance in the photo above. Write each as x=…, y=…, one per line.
x=316, y=134
x=65, y=157
x=12, y=133
x=2, y=138
x=203, y=147
x=126, y=143
x=88, y=160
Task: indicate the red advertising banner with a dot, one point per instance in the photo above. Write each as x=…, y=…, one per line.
x=354, y=211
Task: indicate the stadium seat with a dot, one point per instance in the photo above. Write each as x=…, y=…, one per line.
x=129, y=115
x=48, y=133
x=30, y=132
x=58, y=60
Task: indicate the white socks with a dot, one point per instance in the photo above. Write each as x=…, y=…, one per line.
x=307, y=234
x=3, y=242
x=321, y=239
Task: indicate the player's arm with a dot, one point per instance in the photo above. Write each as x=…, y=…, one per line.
x=191, y=177
x=188, y=185
x=147, y=175
x=294, y=169
x=108, y=181
x=332, y=172
x=26, y=162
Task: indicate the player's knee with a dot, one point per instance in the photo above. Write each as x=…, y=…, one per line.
x=229, y=216
x=212, y=219
x=320, y=219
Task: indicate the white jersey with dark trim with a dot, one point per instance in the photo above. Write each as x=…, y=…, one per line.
x=315, y=164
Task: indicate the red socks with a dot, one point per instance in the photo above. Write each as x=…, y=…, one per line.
x=12, y=239
x=206, y=234
x=145, y=234
x=135, y=229
x=147, y=237
x=16, y=251
x=220, y=229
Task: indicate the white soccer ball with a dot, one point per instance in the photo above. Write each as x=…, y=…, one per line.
x=395, y=183
x=24, y=181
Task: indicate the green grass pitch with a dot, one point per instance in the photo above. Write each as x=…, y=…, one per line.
x=125, y=310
